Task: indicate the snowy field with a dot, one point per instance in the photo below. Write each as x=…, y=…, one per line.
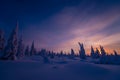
x=33, y=68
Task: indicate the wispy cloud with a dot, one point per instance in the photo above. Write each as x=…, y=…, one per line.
x=81, y=23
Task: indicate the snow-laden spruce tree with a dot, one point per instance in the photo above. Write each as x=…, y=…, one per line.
x=32, y=50
x=45, y=59
x=12, y=45
x=44, y=55
x=20, y=50
x=51, y=54
x=82, y=51
x=72, y=55
x=92, y=52
x=61, y=54
x=27, y=52
x=97, y=52
x=103, y=58
x=2, y=42
x=115, y=57
x=102, y=50
x=115, y=53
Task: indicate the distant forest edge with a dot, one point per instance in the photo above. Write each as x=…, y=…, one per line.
x=14, y=49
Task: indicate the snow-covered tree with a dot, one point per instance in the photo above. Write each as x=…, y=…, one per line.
x=43, y=52
x=51, y=54
x=97, y=53
x=72, y=55
x=44, y=55
x=115, y=53
x=27, y=52
x=33, y=50
x=20, y=50
x=82, y=51
x=2, y=42
x=61, y=54
x=45, y=59
x=102, y=50
x=92, y=52
x=12, y=45
x=104, y=58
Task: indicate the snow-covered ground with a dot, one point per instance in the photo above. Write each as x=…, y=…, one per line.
x=33, y=68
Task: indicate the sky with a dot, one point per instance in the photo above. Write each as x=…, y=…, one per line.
x=60, y=24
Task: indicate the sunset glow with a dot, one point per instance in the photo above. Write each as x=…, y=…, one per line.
x=60, y=25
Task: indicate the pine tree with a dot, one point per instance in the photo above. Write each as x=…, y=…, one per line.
x=20, y=50
x=12, y=44
x=92, y=52
x=2, y=42
x=97, y=52
x=32, y=51
x=82, y=51
x=103, y=53
x=72, y=55
x=115, y=58
x=51, y=54
x=45, y=59
x=61, y=54
x=103, y=58
x=115, y=53
x=27, y=52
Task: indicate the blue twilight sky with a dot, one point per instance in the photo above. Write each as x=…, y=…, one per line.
x=61, y=24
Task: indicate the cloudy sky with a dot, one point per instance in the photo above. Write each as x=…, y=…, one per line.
x=60, y=24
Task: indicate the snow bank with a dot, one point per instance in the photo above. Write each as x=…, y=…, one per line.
x=32, y=68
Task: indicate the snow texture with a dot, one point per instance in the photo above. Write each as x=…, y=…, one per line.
x=34, y=68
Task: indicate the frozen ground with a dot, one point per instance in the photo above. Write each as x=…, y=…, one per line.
x=33, y=68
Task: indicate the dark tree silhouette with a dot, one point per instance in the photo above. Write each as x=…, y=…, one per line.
x=72, y=55
x=12, y=44
x=92, y=52
x=82, y=51
x=104, y=58
x=97, y=53
x=115, y=53
x=33, y=50
x=20, y=51
x=2, y=43
x=51, y=54
x=27, y=52
x=103, y=53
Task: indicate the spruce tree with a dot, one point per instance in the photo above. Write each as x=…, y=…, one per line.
x=72, y=54
x=12, y=45
x=92, y=52
x=103, y=58
x=2, y=42
x=97, y=52
x=32, y=51
x=115, y=53
x=20, y=51
x=82, y=51
x=103, y=53
x=27, y=52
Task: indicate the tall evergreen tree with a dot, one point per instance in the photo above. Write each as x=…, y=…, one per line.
x=72, y=55
x=103, y=53
x=12, y=45
x=97, y=52
x=61, y=54
x=103, y=58
x=20, y=50
x=33, y=50
x=2, y=42
x=115, y=53
x=27, y=52
x=82, y=51
x=92, y=52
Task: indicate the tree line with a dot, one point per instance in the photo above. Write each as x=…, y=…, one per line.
x=14, y=48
